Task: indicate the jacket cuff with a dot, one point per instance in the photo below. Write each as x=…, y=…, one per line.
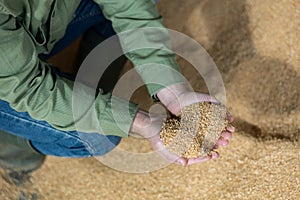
x=117, y=117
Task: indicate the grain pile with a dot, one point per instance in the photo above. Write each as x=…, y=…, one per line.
x=196, y=131
x=255, y=44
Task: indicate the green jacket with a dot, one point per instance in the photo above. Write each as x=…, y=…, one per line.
x=31, y=27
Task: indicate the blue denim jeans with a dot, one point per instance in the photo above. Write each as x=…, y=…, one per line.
x=43, y=137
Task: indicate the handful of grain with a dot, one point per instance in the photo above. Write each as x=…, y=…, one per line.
x=196, y=131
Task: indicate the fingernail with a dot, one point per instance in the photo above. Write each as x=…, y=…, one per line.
x=230, y=128
x=182, y=162
x=215, y=155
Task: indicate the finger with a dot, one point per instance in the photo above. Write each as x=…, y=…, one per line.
x=226, y=135
x=222, y=142
x=215, y=155
x=163, y=151
x=207, y=98
x=230, y=118
x=181, y=161
x=198, y=160
x=170, y=157
x=230, y=128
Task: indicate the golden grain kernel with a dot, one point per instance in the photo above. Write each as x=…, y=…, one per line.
x=195, y=132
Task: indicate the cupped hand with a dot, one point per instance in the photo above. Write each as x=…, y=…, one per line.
x=149, y=126
x=178, y=96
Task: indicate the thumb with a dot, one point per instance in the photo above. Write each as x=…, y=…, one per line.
x=206, y=98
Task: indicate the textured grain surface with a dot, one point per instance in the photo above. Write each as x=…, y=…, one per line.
x=195, y=132
x=255, y=44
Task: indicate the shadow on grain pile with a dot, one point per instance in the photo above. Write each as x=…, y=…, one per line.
x=262, y=92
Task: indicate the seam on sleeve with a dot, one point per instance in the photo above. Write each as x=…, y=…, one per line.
x=3, y=10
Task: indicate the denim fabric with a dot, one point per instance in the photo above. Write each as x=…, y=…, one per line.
x=50, y=141
x=43, y=137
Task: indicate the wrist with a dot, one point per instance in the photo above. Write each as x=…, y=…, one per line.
x=170, y=96
x=140, y=120
x=173, y=90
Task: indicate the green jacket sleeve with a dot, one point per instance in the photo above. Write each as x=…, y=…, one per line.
x=155, y=63
x=29, y=84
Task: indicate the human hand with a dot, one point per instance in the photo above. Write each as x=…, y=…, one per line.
x=176, y=97
x=149, y=126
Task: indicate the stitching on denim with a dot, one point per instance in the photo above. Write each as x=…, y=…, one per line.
x=32, y=122
x=86, y=143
